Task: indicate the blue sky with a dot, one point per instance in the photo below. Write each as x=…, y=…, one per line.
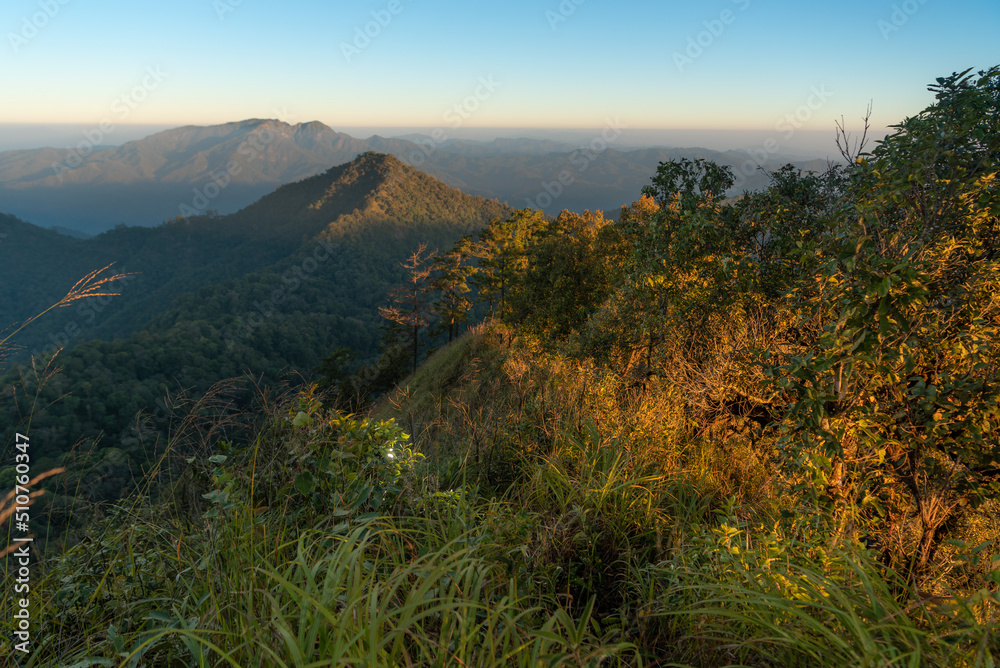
x=719, y=64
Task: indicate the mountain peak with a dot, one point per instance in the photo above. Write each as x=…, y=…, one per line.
x=371, y=187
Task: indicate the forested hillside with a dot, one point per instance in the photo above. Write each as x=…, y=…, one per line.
x=759, y=431
x=187, y=253
x=321, y=255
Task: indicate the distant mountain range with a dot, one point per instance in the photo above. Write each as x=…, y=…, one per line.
x=192, y=170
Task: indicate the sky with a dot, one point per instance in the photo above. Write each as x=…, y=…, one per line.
x=763, y=68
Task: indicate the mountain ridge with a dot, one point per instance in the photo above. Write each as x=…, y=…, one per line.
x=197, y=169
x=187, y=254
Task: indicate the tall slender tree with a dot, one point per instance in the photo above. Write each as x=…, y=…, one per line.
x=411, y=304
x=451, y=282
x=500, y=250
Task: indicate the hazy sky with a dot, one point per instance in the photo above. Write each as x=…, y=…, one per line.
x=733, y=64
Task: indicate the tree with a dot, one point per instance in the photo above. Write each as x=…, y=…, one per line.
x=685, y=257
x=411, y=307
x=687, y=181
x=894, y=386
x=451, y=281
x=500, y=250
x=567, y=275
x=333, y=374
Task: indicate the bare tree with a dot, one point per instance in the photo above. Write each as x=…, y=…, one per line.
x=853, y=152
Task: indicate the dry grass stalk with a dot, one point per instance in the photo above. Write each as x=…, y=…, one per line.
x=88, y=286
x=8, y=505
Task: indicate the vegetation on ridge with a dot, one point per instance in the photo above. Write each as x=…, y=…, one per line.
x=333, y=244
x=760, y=432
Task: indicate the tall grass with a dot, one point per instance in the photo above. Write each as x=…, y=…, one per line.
x=8, y=504
x=245, y=585
x=374, y=595
x=547, y=525
x=91, y=285
x=695, y=548
x=798, y=615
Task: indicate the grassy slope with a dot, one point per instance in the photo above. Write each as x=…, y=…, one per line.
x=695, y=547
x=559, y=517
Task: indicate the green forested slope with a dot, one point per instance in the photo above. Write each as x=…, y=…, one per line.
x=338, y=238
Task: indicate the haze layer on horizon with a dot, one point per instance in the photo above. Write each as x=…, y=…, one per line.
x=722, y=65
x=806, y=143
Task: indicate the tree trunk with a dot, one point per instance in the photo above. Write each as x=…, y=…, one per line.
x=416, y=343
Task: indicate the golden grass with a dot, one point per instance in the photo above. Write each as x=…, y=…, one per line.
x=88, y=286
x=8, y=505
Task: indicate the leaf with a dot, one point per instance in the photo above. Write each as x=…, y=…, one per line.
x=216, y=496
x=218, y=459
x=305, y=483
x=160, y=616
x=302, y=420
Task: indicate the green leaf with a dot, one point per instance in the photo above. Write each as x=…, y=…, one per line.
x=216, y=496
x=302, y=420
x=305, y=483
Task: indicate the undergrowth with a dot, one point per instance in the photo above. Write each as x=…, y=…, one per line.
x=577, y=531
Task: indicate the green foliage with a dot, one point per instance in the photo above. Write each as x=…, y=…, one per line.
x=754, y=596
x=410, y=308
x=686, y=181
x=451, y=281
x=570, y=268
x=345, y=468
x=261, y=293
x=500, y=250
x=898, y=377
x=854, y=309
x=252, y=585
x=327, y=467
